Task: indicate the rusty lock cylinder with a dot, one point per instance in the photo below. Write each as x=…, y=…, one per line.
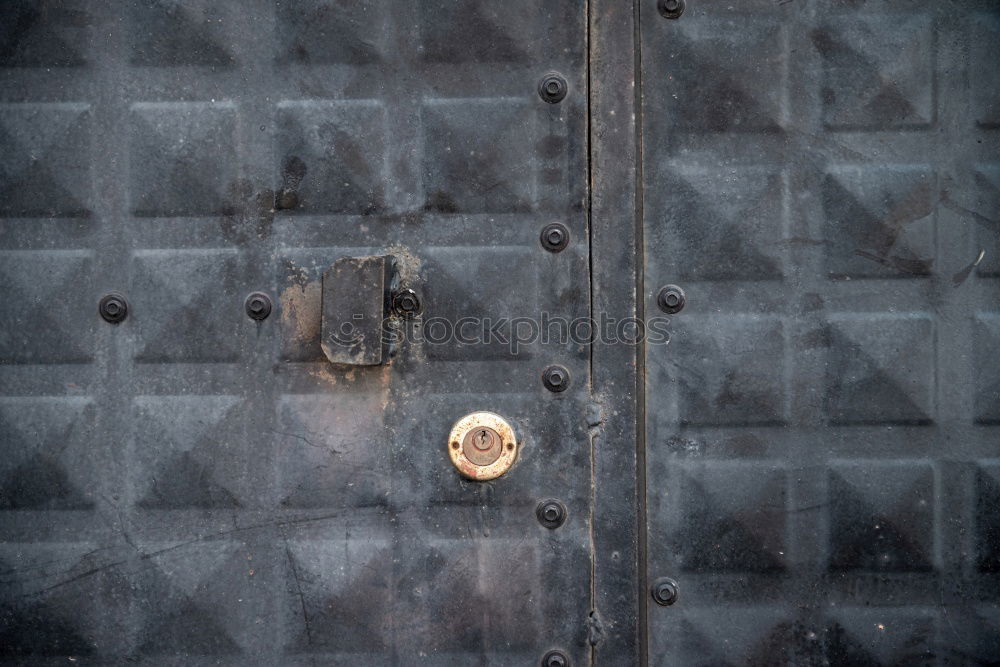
x=482, y=446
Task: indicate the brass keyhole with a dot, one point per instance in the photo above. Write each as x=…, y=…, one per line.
x=482, y=445
x=483, y=440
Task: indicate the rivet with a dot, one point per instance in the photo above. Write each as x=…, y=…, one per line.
x=670, y=9
x=113, y=308
x=556, y=378
x=664, y=591
x=671, y=299
x=555, y=658
x=406, y=303
x=551, y=513
x=555, y=237
x=258, y=306
x=552, y=88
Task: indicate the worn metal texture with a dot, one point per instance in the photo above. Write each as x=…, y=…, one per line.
x=191, y=486
x=820, y=178
x=616, y=444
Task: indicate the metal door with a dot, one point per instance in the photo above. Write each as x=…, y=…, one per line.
x=195, y=485
x=820, y=178
x=805, y=474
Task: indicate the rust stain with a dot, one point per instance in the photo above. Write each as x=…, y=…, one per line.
x=503, y=443
x=301, y=313
x=407, y=263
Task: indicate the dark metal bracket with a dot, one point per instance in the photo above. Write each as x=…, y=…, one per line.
x=360, y=295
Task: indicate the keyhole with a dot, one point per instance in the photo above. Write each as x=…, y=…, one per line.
x=483, y=440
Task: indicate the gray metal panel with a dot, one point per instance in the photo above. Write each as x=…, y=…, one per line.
x=194, y=487
x=821, y=429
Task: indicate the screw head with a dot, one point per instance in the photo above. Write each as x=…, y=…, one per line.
x=555, y=659
x=258, y=306
x=553, y=88
x=671, y=299
x=670, y=9
x=556, y=378
x=664, y=591
x=555, y=237
x=113, y=308
x=551, y=513
x=406, y=303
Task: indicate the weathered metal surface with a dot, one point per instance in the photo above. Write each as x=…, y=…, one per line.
x=357, y=300
x=616, y=445
x=195, y=487
x=482, y=446
x=822, y=428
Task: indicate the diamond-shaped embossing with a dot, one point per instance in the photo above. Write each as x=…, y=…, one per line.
x=480, y=167
x=454, y=282
x=879, y=222
x=878, y=74
x=880, y=369
x=50, y=596
x=42, y=33
x=332, y=453
x=183, y=160
x=169, y=33
x=339, y=593
x=333, y=155
x=733, y=519
x=748, y=639
x=331, y=32
x=985, y=84
x=745, y=92
x=187, y=596
x=735, y=373
x=192, y=453
x=62, y=599
x=986, y=348
x=723, y=225
x=881, y=517
x=47, y=454
x=190, y=304
x=458, y=31
x=466, y=586
x=47, y=309
x=44, y=160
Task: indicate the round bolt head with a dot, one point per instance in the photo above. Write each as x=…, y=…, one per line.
x=551, y=513
x=670, y=9
x=555, y=659
x=113, y=308
x=482, y=446
x=258, y=306
x=664, y=591
x=555, y=237
x=556, y=379
x=406, y=303
x=553, y=88
x=671, y=299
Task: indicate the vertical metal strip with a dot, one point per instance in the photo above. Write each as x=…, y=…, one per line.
x=615, y=252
